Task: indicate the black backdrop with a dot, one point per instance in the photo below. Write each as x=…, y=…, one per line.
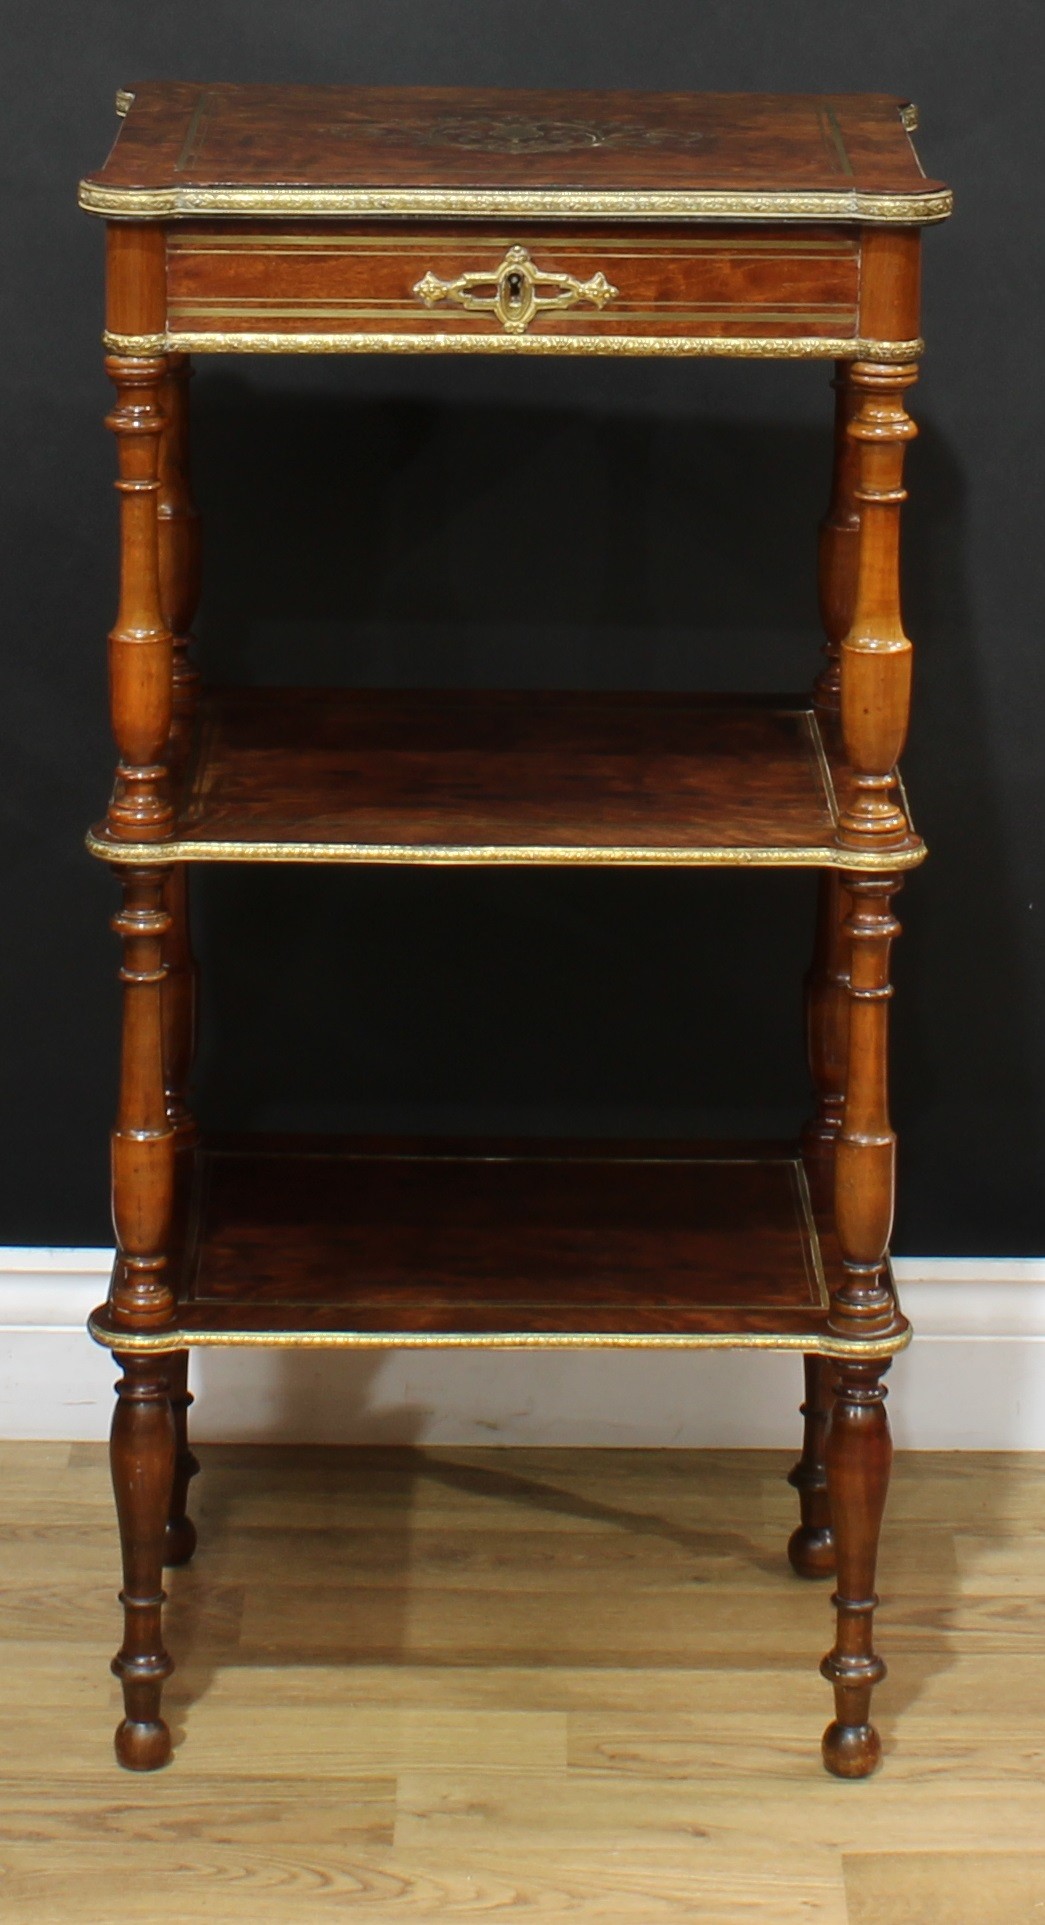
x=502, y=522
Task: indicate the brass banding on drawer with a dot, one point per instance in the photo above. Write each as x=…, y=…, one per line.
x=743, y=289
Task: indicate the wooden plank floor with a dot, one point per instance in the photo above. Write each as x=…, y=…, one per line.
x=452, y=1685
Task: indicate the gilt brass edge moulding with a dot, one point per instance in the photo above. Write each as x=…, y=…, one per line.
x=775, y=347
x=825, y=856
x=177, y=1338
x=162, y=203
x=136, y=346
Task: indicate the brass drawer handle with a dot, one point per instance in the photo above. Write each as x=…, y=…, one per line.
x=511, y=291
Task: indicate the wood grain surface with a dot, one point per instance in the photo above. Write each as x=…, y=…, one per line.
x=516, y=775
x=525, y=1240
x=551, y=1684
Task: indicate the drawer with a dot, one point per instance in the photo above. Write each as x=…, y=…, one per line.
x=668, y=289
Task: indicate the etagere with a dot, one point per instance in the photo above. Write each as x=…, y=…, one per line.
x=350, y=220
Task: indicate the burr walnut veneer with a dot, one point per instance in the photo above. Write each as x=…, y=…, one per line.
x=346, y=220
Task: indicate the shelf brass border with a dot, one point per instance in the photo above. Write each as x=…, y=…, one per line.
x=550, y=203
x=821, y=1340
x=814, y=1342
x=776, y=347
x=823, y=856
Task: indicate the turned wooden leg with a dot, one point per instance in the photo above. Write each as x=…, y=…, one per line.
x=140, y=646
x=180, y=1539
x=827, y=1036
x=142, y=1458
x=143, y=1159
x=178, y=544
x=179, y=998
x=859, y=1455
x=862, y=1306
x=178, y=561
x=178, y=549
x=811, y=1548
x=865, y=1156
x=875, y=656
x=140, y=650
x=838, y=549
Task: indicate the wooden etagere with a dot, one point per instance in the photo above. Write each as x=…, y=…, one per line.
x=351, y=220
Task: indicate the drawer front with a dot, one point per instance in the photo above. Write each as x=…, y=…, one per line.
x=665, y=290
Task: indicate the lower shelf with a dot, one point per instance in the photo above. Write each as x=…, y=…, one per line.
x=511, y=776
x=521, y=1243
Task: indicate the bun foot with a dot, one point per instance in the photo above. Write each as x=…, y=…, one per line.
x=179, y=1541
x=142, y=1747
x=851, y=1750
x=812, y=1552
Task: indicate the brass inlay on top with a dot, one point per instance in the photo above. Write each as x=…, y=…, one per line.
x=512, y=291
x=835, y=140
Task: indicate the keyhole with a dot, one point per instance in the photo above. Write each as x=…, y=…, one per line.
x=515, y=288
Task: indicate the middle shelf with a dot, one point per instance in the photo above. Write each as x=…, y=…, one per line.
x=509, y=776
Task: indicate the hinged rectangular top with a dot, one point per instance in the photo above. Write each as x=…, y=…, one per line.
x=379, y=152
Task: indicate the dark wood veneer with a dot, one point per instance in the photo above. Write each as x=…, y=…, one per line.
x=259, y=136
x=528, y=1239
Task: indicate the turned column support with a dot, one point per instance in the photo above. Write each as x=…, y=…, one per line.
x=859, y=1457
x=143, y=1139
x=178, y=556
x=827, y=1034
x=140, y=649
x=140, y=655
x=865, y=1155
x=839, y=544
x=178, y=548
x=179, y=1001
x=875, y=656
x=142, y=1451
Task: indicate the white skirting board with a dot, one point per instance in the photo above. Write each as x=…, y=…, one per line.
x=973, y=1379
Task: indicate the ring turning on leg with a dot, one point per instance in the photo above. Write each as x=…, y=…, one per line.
x=859, y=1455
x=142, y=1459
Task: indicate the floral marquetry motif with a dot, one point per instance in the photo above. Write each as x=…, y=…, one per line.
x=520, y=134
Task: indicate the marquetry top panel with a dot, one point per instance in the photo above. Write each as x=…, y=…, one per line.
x=187, y=149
